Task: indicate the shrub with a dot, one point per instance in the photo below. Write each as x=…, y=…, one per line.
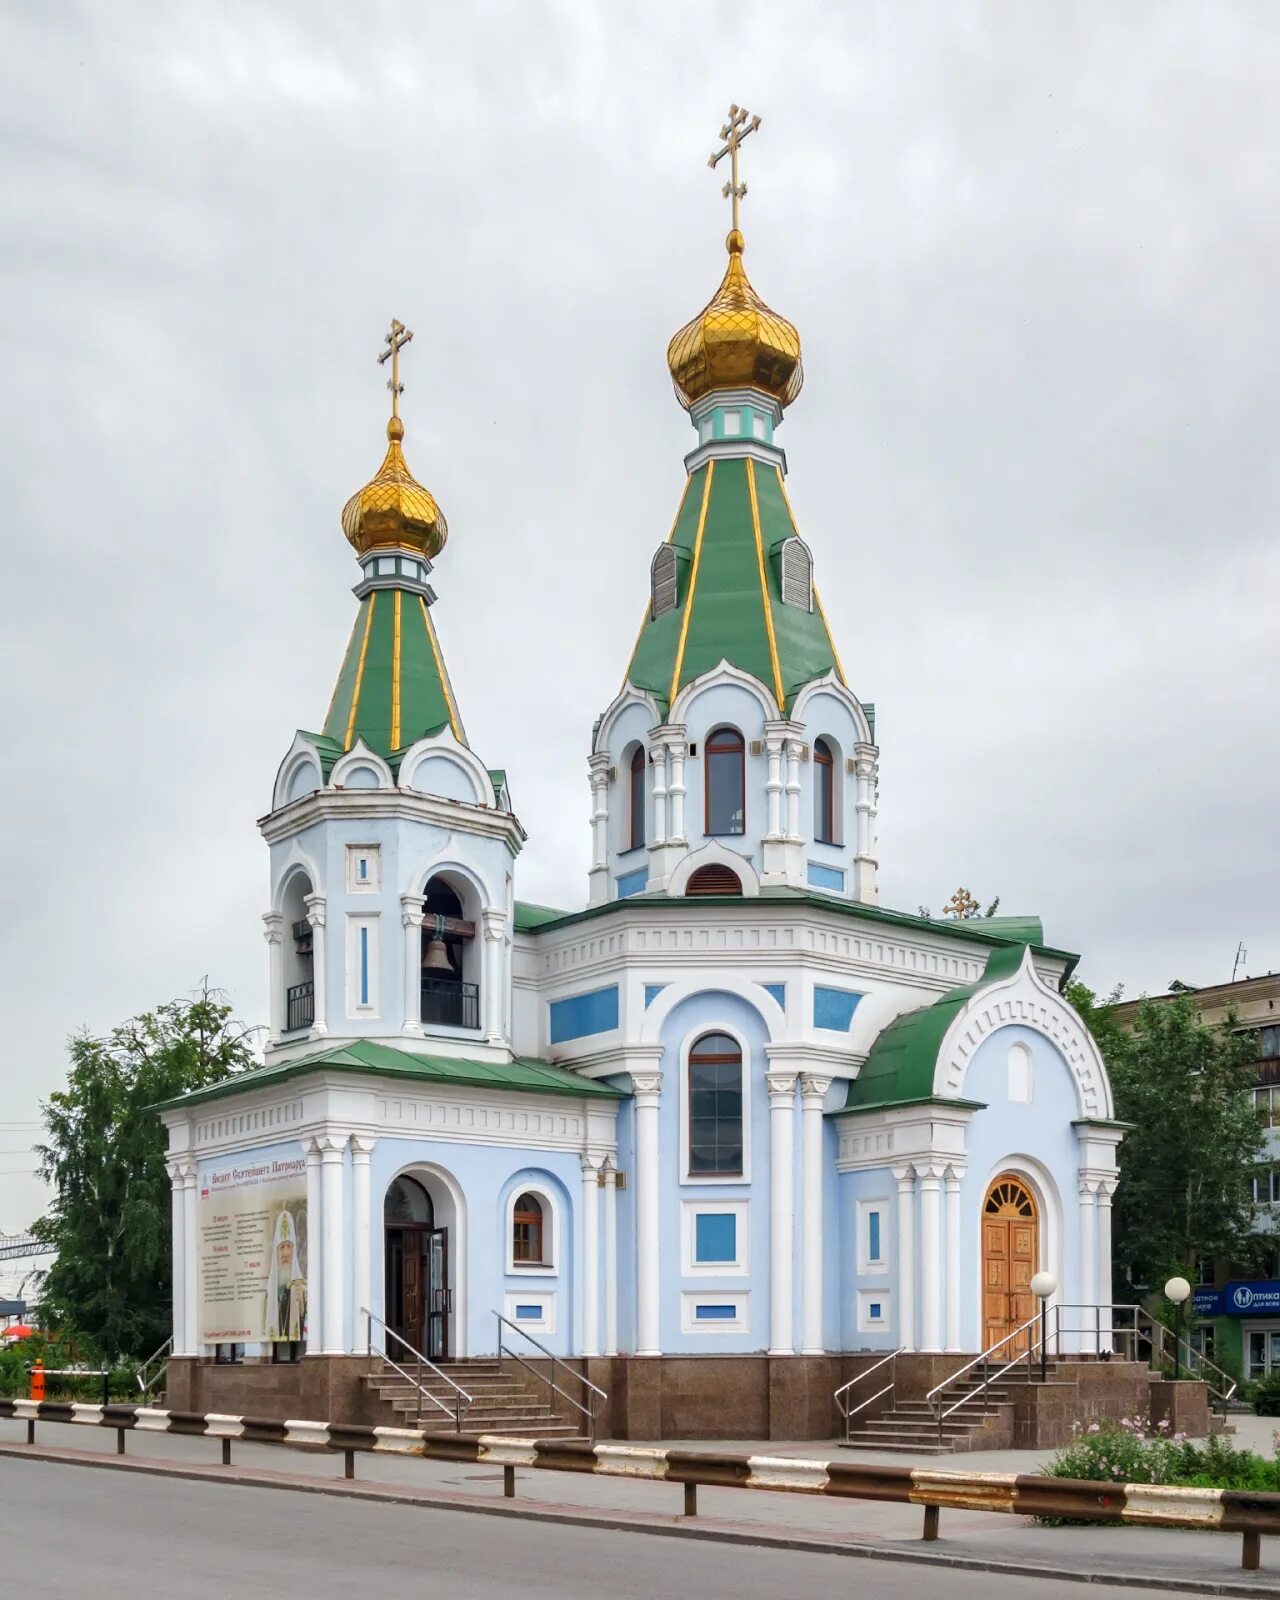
x=1265, y=1396
x=1129, y=1451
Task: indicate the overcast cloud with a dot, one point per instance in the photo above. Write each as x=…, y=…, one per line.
x=1032, y=252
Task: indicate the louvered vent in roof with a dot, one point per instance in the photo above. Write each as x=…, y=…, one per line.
x=664, y=581
x=797, y=574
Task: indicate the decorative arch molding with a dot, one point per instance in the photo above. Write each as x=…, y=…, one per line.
x=556, y=1212
x=831, y=685
x=724, y=674
x=1048, y=1198
x=713, y=853
x=298, y=861
x=422, y=874
x=360, y=755
x=629, y=696
x=450, y=1206
x=741, y=988
x=301, y=753
x=1025, y=1000
x=444, y=745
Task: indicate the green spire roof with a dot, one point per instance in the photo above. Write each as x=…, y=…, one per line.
x=732, y=521
x=393, y=688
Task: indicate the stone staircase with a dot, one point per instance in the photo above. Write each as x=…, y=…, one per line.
x=910, y=1427
x=503, y=1400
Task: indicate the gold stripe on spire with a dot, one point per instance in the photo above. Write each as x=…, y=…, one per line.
x=645, y=617
x=355, y=691
x=693, y=583
x=333, y=698
x=817, y=600
x=764, y=590
x=454, y=721
x=395, y=674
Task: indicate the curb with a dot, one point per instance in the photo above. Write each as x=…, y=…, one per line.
x=632, y=1522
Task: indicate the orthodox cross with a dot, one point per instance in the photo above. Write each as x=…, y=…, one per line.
x=740, y=124
x=395, y=342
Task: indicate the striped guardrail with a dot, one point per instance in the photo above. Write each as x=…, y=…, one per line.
x=1142, y=1504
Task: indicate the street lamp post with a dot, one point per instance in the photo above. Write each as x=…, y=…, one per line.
x=1042, y=1286
x=1178, y=1290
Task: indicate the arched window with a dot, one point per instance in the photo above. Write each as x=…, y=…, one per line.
x=713, y=879
x=637, y=797
x=527, y=1235
x=726, y=782
x=715, y=1107
x=824, y=793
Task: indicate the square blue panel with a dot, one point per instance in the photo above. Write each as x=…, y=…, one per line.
x=829, y=878
x=715, y=1313
x=875, y=1311
x=715, y=1237
x=651, y=993
x=632, y=883
x=577, y=1015
x=528, y=1313
x=834, y=1008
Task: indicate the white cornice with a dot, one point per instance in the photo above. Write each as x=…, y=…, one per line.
x=737, y=449
x=403, y=805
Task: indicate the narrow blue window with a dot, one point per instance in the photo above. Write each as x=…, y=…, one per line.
x=715, y=1237
x=873, y=1311
x=364, y=868
x=528, y=1313
x=364, y=966
x=873, y=1236
x=715, y=1313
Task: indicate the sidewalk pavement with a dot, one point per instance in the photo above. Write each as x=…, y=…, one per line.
x=1133, y=1557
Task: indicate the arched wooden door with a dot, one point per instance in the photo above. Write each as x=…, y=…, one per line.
x=1010, y=1259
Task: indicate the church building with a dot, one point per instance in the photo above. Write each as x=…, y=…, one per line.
x=696, y=1152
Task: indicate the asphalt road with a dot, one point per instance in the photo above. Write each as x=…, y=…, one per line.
x=73, y=1531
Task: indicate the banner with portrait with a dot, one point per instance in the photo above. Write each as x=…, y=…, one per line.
x=251, y=1240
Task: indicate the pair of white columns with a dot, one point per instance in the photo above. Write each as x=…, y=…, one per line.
x=332, y=1328
x=599, y=1177
x=186, y=1261
x=1095, y=1192
x=783, y=744
x=936, y=1269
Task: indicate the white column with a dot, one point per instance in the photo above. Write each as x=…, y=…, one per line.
x=793, y=788
x=782, y=1094
x=610, y=1259
x=361, y=1242
x=773, y=787
x=1106, y=1188
x=315, y=916
x=906, y=1179
x=648, y=1089
x=315, y=1252
x=190, y=1260
x=590, y=1257
x=495, y=927
x=334, y=1227
x=658, y=760
x=953, y=1252
x=273, y=929
x=812, y=1091
x=178, y=1252
x=411, y=917
x=678, y=748
x=930, y=1275
x=599, y=774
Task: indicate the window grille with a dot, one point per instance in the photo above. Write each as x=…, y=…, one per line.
x=797, y=574
x=664, y=580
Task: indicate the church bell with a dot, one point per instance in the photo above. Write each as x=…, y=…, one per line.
x=436, y=956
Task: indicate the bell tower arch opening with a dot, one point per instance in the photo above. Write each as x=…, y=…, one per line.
x=451, y=955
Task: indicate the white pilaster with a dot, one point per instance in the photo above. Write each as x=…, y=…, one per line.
x=793, y=790
x=178, y=1252
x=273, y=930
x=865, y=771
x=610, y=1259
x=411, y=916
x=590, y=1257
x=658, y=760
x=1106, y=1188
x=782, y=1094
x=361, y=1242
x=773, y=786
x=190, y=1259
x=953, y=1255
x=647, y=1087
x=812, y=1091
x=333, y=1222
x=315, y=1252
x=906, y=1180
x=930, y=1274
x=598, y=773
x=495, y=928
x=677, y=745
x=315, y=916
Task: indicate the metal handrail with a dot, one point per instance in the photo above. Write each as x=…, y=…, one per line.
x=1105, y=1338
x=157, y=1356
x=589, y=1412
x=849, y=1412
x=461, y=1396
x=934, y=1396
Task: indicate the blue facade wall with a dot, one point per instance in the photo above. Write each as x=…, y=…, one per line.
x=577, y=1015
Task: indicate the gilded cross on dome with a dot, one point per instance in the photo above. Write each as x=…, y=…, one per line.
x=740, y=124
x=395, y=341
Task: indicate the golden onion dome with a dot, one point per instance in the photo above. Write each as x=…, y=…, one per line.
x=736, y=342
x=393, y=509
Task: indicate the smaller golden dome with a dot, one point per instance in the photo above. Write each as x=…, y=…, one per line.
x=736, y=342
x=393, y=509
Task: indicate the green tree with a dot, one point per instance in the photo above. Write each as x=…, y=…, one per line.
x=1195, y=1138
x=104, y=1156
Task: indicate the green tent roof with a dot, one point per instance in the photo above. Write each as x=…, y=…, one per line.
x=393, y=688
x=733, y=517
x=364, y=1056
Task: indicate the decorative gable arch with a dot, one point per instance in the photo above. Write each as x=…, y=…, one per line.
x=628, y=697
x=725, y=673
x=713, y=853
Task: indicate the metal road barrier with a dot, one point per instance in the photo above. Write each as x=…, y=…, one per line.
x=1142, y=1504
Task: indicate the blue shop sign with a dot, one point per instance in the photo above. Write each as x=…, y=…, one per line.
x=1206, y=1303
x=1258, y=1299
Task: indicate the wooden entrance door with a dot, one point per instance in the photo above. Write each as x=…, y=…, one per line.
x=1010, y=1259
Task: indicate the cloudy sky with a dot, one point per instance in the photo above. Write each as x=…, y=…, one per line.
x=1032, y=251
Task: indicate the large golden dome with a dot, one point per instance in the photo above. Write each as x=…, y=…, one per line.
x=736, y=342
x=393, y=509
